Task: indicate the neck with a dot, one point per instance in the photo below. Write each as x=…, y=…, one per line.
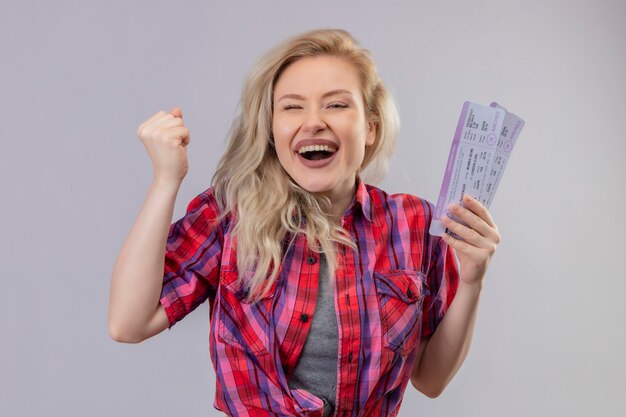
x=341, y=197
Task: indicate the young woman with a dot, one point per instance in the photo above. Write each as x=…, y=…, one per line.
x=327, y=295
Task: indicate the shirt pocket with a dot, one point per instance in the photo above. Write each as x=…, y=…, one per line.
x=243, y=325
x=400, y=295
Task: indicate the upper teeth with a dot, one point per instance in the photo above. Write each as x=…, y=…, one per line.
x=313, y=148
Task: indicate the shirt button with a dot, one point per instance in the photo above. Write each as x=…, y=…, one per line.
x=350, y=357
x=310, y=260
x=304, y=318
x=409, y=293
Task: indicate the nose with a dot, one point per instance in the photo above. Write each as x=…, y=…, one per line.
x=313, y=122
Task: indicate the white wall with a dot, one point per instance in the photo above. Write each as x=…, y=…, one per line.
x=76, y=79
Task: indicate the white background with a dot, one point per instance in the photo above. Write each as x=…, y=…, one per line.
x=78, y=77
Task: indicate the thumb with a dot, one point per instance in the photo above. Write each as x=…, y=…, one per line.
x=177, y=112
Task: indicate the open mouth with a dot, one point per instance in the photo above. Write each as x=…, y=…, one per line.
x=317, y=152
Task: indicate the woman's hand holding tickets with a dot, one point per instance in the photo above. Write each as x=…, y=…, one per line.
x=165, y=137
x=480, y=238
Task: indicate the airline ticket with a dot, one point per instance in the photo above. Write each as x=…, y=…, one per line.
x=482, y=143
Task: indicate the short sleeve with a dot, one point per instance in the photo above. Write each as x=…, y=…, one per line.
x=192, y=258
x=442, y=281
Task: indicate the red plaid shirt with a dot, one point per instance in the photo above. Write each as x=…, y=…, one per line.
x=389, y=292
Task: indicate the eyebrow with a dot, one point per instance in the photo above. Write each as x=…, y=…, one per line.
x=325, y=95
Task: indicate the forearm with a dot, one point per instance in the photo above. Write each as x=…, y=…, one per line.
x=447, y=348
x=137, y=276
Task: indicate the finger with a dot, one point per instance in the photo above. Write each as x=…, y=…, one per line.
x=469, y=235
x=477, y=207
x=169, y=123
x=150, y=120
x=162, y=118
x=470, y=219
x=460, y=246
x=177, y=112
x=155, y=116
x=473, y=221
x=156, y=120
x=181, y=133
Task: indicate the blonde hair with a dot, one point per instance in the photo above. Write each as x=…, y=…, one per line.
x=267, y=206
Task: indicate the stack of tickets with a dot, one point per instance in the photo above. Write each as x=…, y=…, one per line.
x=482, y=144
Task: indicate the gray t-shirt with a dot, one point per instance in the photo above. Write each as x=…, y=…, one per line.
x=316, y=369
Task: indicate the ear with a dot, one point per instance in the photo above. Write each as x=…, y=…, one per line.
x=371, y=133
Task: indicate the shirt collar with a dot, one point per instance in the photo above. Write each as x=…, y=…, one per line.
x=362, y=197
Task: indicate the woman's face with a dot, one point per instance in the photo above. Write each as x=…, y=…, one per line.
x=319, y=125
